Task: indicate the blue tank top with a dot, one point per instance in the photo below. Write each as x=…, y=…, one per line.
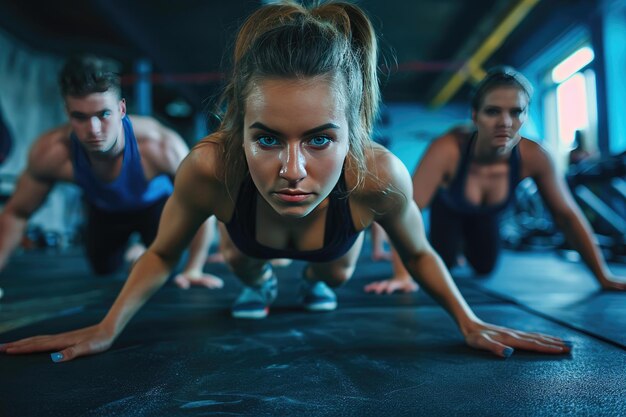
x=453, y=197
x=129, y=191
x=339, y=231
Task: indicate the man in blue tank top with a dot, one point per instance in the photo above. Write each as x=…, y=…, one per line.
x=124, y=165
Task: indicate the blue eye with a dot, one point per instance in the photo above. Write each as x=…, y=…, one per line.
x=105, y=114
x=267, y=141
x=320, y=141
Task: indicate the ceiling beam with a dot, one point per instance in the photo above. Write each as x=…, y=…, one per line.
x=472, y=68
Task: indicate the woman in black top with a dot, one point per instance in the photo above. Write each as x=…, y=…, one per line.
x=468, y=178
x=297, y=123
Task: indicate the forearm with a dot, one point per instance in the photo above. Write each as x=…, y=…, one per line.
x=149, y=274
x=399, y=269
x=579, y=234
x=199, y=246
x=11, y=232
x=430, y=272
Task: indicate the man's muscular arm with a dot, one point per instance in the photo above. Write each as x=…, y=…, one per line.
x=45, y=161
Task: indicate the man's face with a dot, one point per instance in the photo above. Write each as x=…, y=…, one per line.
x=96, y=119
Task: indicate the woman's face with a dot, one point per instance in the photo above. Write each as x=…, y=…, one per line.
x=295, y=141
x=502, y=113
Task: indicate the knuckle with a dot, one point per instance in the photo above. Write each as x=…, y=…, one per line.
x=69, y=353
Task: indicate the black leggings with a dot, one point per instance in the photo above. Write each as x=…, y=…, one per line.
x=107, y=233
x=475, y=235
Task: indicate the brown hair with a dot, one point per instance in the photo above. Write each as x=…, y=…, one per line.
x=500, y=77
x=287, y=40
x=87, y=74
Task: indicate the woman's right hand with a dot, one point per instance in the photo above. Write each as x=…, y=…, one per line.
x=65, y=346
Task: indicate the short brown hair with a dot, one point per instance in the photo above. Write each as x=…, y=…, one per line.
x=86, y=74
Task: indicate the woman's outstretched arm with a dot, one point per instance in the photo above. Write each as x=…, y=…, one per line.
x=183, y=214
x=402, y=221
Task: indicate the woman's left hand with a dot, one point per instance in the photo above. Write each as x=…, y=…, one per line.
x=503, y=341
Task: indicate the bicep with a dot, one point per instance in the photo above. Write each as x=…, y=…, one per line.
x=165, y=152
x=189, y=206
x=29, y=194
x=405, y=228
x=179, y=222
x=399, y=215
x=174, y=150
x=429, y=174
x=553, y=189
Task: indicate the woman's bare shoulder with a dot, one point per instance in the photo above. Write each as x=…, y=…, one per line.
x=536, y=160
x=449, y=145
x=206, y=158
x=385, y=182
x=202, y=167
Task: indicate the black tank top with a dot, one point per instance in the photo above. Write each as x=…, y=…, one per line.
x=453, y=197
x=339, y=231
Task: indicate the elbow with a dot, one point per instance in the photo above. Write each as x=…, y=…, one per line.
x=416, y=260
x=168, y=259
x=12, y=222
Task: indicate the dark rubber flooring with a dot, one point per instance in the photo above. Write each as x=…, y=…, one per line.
x=562, y=291
x=376, y=355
